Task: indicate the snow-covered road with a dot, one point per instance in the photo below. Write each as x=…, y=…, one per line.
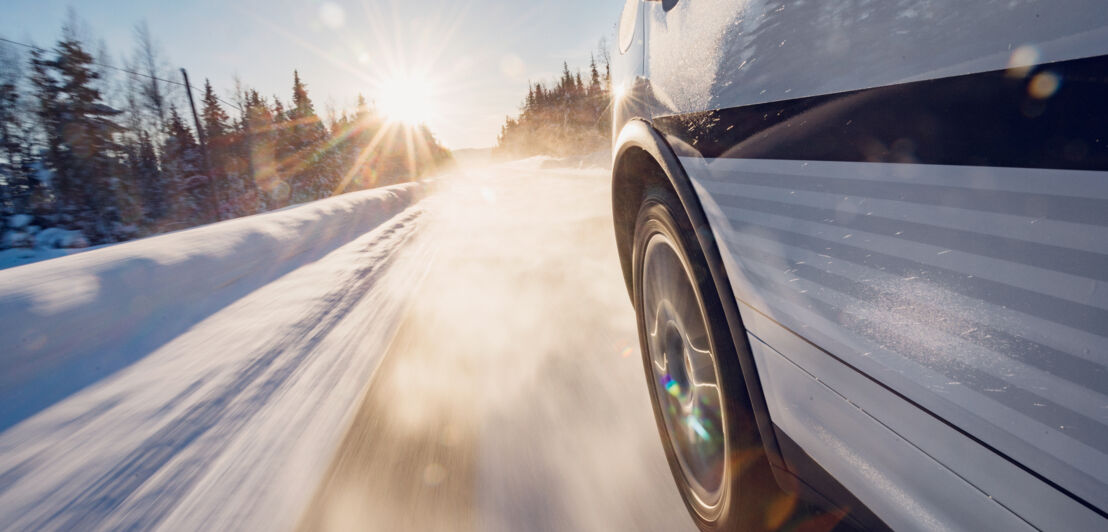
x=226, y=395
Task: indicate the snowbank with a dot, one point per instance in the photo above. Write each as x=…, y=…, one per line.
x=29, y=244
x=24, y=243
x=70, y=321
x=18, y=256
x=55, y=238
x=19, y=221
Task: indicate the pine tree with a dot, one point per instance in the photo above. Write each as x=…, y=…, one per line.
x=227, y=165
x=571, y=117
x=361, y=167
x=151, y=90
x=81, y=149
x=244, y=196
x=184, y=181
x=212, y=115
x=567, y=80
x=262, y=130
x=594, y=77
x=147, y=176
x=15, y=182
x=312, y=172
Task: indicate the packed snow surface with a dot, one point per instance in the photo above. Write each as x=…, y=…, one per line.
x=148, y=383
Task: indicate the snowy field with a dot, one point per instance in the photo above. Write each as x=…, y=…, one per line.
x=387, y=360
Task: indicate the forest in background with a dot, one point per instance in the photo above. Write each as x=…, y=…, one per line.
x=92, y=153
x=568, y=116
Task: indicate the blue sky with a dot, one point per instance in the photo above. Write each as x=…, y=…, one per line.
x=477, y=54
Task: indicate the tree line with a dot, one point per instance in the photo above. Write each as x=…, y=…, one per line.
x=105, y=157
x=568, y=116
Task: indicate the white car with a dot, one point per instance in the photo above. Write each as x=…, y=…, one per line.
x=867, y=244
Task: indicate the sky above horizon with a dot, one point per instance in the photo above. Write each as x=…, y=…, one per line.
x=476, y=55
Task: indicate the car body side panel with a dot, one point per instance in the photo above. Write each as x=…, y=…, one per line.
x=944, y=285
x=908, y=487
x=975, y=339
x=878, y=410
x=911, y=340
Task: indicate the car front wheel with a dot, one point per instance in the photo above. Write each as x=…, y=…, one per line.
x=695, y=382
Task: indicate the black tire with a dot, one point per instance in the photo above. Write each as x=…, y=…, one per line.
x=745, y=486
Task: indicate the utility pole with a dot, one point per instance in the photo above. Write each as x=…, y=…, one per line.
x=203, y=149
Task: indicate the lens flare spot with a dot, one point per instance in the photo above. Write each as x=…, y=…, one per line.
x=699, y=429
x=779, y=511
x=672, y=387
x=1044, y=85
x=1021, y=60
x=619, y=91
x=626, y=352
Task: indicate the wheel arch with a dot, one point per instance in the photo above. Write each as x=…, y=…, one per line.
x=643, y=158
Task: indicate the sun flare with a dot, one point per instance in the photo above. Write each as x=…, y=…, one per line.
x=407, y=100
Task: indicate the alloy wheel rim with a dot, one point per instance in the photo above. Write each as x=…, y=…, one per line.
x=684, y=370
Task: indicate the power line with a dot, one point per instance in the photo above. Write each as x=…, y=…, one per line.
x=118, y=69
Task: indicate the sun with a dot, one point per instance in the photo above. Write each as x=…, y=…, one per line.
x=406, y=99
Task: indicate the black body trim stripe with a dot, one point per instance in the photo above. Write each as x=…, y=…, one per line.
x=1054, y=115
